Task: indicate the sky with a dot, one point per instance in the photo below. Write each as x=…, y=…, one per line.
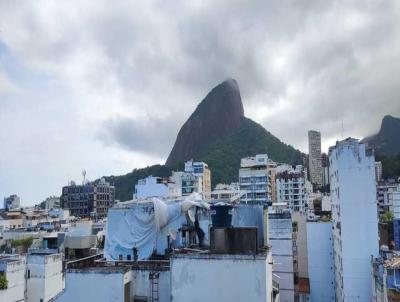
x=105, y=87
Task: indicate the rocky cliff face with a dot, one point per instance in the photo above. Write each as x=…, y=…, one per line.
x=218, y=115
x=387, y=140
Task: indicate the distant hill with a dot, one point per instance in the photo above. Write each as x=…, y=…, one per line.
x=387, y=140
x=124, y=184
x=249, y=139
x=387, y=145
x=219, y=134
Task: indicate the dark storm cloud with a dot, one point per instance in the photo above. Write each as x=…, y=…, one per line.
x=125, y=76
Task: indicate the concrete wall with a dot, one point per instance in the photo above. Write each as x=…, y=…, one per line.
x=221, y=278
x=99, y=286
x=45, y=277
x=141, y=285
x=149, y=187
x=15, y=274
x=354, y=214
x=301, y=242
x=320, y=261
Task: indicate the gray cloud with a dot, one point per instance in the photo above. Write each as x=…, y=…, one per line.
x=109, y=86
x=149, y=136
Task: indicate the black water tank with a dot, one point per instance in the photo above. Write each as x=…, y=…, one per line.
x=221, y=215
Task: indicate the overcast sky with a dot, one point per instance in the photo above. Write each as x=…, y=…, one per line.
x=105, y=86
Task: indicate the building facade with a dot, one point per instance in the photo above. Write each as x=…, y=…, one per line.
x=202, y=172
x=12, y=269
x=155, y=187
x=354, y=217
x=320, y=261
x=44, y=276
x=378, y=170
x=314, y=157
x=281, y=241
x=291, y=188
x=254, y=178
x=90, y=199
x=52, y=202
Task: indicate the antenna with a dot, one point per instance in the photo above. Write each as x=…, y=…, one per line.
x=342, y=130
x=83, y=176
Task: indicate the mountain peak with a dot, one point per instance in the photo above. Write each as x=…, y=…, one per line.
x=386, y=141
x=231, y=83
x=217, y=115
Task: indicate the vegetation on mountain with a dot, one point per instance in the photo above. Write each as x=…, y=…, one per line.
x=387, y=140
x=125, y=184
x=217, y=115
x=217, y=133
x=250, y=139
x=390, y=165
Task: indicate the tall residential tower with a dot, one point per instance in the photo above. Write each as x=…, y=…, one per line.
x=314, y=160
x=354, y=219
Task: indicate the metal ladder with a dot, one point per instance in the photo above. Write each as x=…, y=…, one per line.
x=154, y=282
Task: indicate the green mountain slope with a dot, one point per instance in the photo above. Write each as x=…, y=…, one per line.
x=217, y=133
x=125, y=184
x=387, y=140
x=223, y=157
x=386, y=144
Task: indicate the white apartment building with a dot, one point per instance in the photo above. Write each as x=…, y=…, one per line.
x=254, y=178
x=291, y=188
x=195, y=178
x=155, y=187
x=44, y=276
x=314, y=159
x=12, y=268
x=393, y=197
x=354, y=217
x=35, y=277
x=383, y=189
x=200, y=170
x=228, y=192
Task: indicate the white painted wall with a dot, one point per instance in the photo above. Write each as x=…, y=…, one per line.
x=222, y=278
x=149, y=187
x=92, y=285
x=355, y=222
x=15, y=274
x=320, y=261
x=45, y=278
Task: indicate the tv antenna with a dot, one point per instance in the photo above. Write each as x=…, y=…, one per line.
x=342, y=130
x=83, y=176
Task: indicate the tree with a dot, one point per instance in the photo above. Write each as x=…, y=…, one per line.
x=3, y=282
x=386, y=217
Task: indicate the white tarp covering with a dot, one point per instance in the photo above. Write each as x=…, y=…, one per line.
x=145, y=226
